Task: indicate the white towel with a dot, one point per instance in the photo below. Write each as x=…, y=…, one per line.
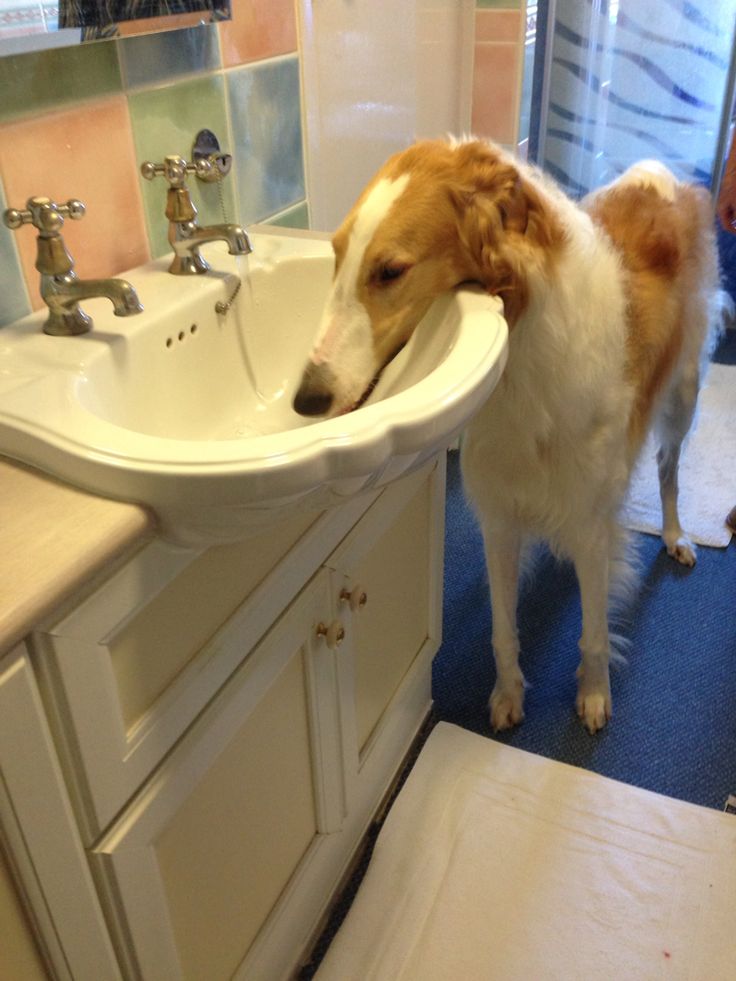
x=497, y=864
x=707, y=469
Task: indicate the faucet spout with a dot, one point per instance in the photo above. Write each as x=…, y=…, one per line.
x=236, y=237
x=186, y=238
x=63, y=294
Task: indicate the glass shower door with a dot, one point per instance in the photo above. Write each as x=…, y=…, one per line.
x=631, y=79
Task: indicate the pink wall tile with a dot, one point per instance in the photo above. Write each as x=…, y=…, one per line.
x=498, y=25
x=85, y=152
x=496, y=83
x=258, y=29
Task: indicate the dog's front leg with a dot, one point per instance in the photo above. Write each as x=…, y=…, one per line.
x=502, y=547
x=594, y=687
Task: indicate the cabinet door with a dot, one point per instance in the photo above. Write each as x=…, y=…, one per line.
x=201, y=868
x=389, y=576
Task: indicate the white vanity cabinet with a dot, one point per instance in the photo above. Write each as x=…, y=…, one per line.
x=228, y=722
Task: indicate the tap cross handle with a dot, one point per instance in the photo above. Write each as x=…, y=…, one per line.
x=175, y=170
x=45, y=215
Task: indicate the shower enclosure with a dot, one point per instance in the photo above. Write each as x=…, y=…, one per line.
x=616, y=81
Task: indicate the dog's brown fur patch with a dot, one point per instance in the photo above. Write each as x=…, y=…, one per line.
x=663, y=247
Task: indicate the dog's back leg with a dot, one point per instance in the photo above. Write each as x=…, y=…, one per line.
x=591, y=558
x=673, y=422
x=503, y=549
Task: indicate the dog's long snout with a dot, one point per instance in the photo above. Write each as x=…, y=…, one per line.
x=315, y=394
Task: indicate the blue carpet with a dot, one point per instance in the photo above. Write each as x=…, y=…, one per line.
x=674, y=724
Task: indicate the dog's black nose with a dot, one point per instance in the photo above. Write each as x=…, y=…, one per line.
x=314, y=396
x=312, y=403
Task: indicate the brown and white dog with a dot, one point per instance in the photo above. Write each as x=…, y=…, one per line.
x=608, y=304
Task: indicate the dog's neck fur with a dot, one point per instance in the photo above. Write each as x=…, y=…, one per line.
x=554, y=399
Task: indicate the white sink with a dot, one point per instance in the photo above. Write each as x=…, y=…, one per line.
x=189, y=411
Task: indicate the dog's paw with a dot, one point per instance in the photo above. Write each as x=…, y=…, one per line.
x=681, y=549
x=593, y=703
x=595, y=710
x=507, y=706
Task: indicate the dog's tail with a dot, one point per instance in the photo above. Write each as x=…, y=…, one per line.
x=724, y=311
x=721, y=317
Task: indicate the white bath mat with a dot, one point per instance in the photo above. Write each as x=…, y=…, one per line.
x=707, y=469
x=497, y=864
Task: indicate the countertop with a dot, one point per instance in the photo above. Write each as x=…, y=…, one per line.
x=53, y=538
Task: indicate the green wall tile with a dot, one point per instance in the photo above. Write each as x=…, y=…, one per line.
x=45, y=80
x=266, y=124
x=165, y=121
x=498, y=4
x=296, y=217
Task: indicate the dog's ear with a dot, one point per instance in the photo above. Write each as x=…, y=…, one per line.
x=514, y=208
x=492, y=219
x=493, y=259
x=483, y=179
x=523, y=210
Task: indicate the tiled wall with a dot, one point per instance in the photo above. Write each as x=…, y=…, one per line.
x=498, y=70
x=77, y=122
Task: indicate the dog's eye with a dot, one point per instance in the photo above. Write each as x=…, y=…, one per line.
x=391, y=272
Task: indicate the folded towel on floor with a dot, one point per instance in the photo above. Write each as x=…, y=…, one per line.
x=494, y=863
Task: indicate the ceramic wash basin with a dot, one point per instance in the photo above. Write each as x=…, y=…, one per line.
x=189, y=411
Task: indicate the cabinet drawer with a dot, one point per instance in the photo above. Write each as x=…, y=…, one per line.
x=154, y=646
x=205, y=852
x=130, y=669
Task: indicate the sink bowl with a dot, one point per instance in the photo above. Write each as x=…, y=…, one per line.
x=189, y=411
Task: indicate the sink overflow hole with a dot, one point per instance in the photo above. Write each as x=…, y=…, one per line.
x=182, y=334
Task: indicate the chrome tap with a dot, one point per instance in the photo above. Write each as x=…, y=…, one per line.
x=61, y=289
x=185, y=234
x=186, y=237
x=63, y=293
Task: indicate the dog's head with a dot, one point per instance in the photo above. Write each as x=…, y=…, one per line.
x=435, y=216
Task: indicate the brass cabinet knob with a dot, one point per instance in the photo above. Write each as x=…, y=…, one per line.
x=333, y=633
x=355, y=597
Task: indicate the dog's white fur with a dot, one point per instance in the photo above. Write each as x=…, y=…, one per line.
x=608, y=316
x=345, y=335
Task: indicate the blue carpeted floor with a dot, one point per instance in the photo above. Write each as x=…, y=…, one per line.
x=674, y=725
